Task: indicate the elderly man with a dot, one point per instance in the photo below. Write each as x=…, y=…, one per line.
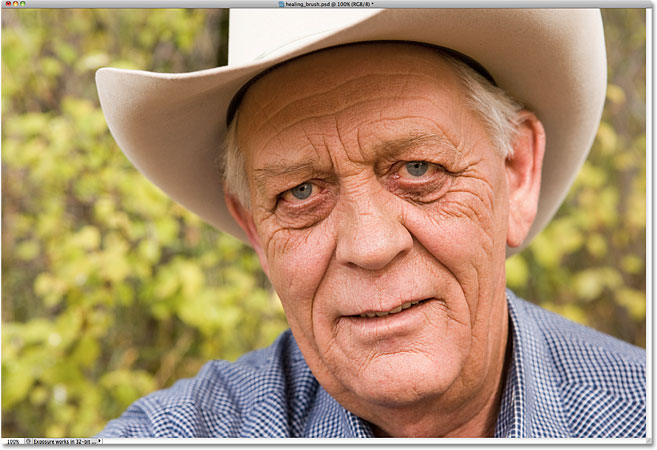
x=380, y=172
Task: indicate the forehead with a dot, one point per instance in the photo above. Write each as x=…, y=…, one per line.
x=382, y=89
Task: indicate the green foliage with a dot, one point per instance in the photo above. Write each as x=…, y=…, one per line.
x=111, y=291
x=589, y=264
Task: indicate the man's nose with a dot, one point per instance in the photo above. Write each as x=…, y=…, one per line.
x=371, y=233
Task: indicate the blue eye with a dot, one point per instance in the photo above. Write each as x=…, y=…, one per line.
x=417, y=168
x=302, y=191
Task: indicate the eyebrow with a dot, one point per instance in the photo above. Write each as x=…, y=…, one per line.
x=397, y=146
x=282, y=168
x=308, y=169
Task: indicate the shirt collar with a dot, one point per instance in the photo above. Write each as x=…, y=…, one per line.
x=530, y=405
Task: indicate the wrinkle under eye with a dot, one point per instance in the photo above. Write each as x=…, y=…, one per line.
x=419, y=181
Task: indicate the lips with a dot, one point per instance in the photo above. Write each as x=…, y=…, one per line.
x=396, y=310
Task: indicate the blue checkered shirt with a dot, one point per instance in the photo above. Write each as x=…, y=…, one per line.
x=564, y=380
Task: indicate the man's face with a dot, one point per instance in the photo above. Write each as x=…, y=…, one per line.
x=380, y=214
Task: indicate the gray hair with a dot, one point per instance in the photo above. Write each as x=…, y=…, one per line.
x=497, y=110
x=232, y=165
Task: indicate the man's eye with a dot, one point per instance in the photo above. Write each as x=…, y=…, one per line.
x=417, y=168
x=300, y=192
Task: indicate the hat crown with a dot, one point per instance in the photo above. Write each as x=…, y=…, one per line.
x=257, y=34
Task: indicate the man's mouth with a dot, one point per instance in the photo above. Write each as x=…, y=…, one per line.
x=396, y=310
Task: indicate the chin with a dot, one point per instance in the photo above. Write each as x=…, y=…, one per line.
x=404, y=379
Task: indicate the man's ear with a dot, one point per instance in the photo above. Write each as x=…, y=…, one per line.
x=523, y=176
x=244, y=219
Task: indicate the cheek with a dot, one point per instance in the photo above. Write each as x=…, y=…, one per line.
x=460, y=223
x=464, y=230
x=298, y=260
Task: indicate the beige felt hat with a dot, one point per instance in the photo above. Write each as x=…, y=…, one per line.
x=171, y=126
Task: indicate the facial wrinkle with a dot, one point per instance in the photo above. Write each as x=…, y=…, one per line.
x=367, y=79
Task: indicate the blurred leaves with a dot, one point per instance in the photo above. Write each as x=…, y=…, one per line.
x=111, y=291
x=589, y=264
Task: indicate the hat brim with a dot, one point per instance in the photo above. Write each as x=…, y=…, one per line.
x=171, y=126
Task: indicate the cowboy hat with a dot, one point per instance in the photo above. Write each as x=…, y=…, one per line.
x=171, y=126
